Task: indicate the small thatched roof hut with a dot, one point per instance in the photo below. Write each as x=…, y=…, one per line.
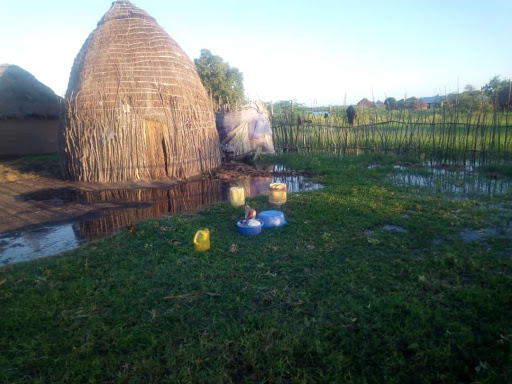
x=420, y=105
x=136, y=106
x=22, y=96
x=366, y=103
x=29, y=113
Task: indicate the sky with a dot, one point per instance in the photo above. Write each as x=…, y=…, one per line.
x=316, y=52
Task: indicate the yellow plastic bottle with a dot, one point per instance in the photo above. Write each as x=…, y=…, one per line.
x=202, y=240
x=237, y=196
x=278, y=193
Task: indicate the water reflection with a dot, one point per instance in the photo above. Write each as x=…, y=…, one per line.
x=153, y=203
x=129, y=207
x=456, y=184
x=469, y=235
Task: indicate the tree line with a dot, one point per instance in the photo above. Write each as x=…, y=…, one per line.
x=497, y=93
x=225, y=86
x=223, y=83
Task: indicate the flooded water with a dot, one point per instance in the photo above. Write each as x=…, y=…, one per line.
x=469, y=235
x=129, y=207
x=459, y=182
x=452, y=182
x=393, y=228
x=38, y=242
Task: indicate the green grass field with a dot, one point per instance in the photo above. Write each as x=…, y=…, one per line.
x=329, y=298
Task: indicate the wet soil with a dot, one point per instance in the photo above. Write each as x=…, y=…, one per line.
x=235, y=170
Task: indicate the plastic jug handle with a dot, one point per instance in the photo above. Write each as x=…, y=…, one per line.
x=196, y=236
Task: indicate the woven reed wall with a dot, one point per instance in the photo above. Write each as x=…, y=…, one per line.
x=136, y=108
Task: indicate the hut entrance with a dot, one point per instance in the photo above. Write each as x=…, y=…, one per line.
x=156, y=152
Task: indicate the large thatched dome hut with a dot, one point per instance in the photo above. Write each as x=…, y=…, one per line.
x=29, y=114
x=136, y=106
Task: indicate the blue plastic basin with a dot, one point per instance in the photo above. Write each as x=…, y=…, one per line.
x=249, y=231
x=272, y=218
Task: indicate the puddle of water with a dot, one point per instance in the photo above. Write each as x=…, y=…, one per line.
x=131, y=206
x=377, y=166
x=456, y=184
x=469, y=235
x=393, y=228
x=454, y=165
x=437, y=242
x=38, y=242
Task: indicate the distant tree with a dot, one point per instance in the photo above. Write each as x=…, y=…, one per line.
x=286, y=106
x=505, y=98
x=466, y=100
x=470, y=99
x=411, y=102
x=495, y=85
x=499, y=91
x=390, y=103
x=219, y=79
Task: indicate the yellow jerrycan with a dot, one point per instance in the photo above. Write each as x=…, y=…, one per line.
x=278, y=192
x=202, y=240
x=237, y=196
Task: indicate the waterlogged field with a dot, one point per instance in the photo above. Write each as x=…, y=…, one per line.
x=394, y=272
x=451, y=135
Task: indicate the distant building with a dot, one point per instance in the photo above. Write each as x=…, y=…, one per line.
x=420, y=105
x=366, y=103
x=434, y=101
x=380, y=104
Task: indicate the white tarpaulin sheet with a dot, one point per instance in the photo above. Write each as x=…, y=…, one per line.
x=246, y=130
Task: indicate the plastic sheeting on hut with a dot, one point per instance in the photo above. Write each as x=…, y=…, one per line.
x=246, y=130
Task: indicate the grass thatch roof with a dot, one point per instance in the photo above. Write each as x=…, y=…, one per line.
x=366, y=103
x=420, y=104
x=136, y=106
x=22, y=96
